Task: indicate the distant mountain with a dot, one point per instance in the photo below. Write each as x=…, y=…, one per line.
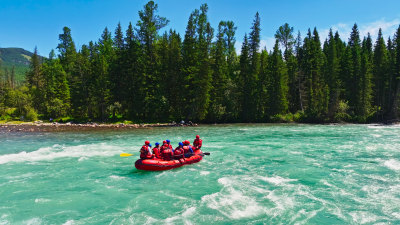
x=18, y=57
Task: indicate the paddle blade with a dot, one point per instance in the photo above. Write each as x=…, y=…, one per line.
x=206, y=153
x=125, y=154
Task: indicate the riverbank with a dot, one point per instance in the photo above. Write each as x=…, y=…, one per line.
x=58, y=127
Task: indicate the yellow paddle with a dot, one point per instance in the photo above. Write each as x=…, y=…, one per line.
x=125, y=154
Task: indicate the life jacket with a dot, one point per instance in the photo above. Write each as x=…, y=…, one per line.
x=178, y=151
x=167, y=154
x=145, y=153
x=156, y=152
x=163, y=147
x=197, y=143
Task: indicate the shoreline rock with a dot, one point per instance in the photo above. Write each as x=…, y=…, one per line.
x=39, y=126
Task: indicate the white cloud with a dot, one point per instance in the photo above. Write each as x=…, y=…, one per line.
x=388, y=29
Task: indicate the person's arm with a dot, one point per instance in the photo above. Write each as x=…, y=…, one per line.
x=191, y=150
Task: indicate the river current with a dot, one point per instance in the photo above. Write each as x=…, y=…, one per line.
x=255, y=174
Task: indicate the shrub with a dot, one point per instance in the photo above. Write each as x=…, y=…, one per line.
x=31, y=114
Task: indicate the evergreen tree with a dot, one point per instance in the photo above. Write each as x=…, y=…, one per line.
x=116, y=75
x=245, y=81
x=232, y=90
x=219, y=77
x=395, y=91
x=148, y=26
x=332, y=68
x=202, y=81
x=380, y=75
x=35, y=81
x=133, y=73
x=263, y=84
x=316, y=98
x=249, y=69
x=189, y=60
x=173, y=86
x=277, y=86
x=285, y=36
x=67, y=51
x=365, y=80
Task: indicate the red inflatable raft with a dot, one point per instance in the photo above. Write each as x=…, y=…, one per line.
x=156, y=164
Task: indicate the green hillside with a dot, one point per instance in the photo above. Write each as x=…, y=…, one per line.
x=17, y=57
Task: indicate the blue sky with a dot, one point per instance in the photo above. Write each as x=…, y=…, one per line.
x=30, y=23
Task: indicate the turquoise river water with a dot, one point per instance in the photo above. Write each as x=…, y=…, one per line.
x=256, y=174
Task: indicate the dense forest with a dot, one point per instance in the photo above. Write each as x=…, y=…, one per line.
x=141, y=75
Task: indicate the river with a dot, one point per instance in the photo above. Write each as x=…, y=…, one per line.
x=255, y=174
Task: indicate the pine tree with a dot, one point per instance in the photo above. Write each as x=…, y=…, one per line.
x=36, y=82
x=219, y=77
x=133, y=73
x=365, y=80
x=67, y=51
x=202, y=81
x=190, y=58
x=277, y=86
x=332, y=68
x=148, y=26
x=263, y=85
x=394, y=107
x=285, y=36
x=116, y=75
x=232, y=90
x=174, y=84
x=380, y=75
x=316, y=98
x=245, y=82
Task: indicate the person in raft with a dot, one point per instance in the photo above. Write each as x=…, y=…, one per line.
x=187, y=149
x=197, y=143
x=169, y=144
x=156, y=150
x=178, y=153
x=163, y=146
x=167, y=154
x=145, y=151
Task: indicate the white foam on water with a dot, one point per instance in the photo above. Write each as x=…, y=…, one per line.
x=185, y=216
x=57, y=151
x=115, y=177
x=69, y=222
x=204, y=173
x=296, y=153
x=325, y=182
x=231, y=202
x=362, y=217
x=3, y=220
x=33, y=221
x=277, y=180
x=396, y=214
x=392, y=164
x=82, y=158
x=41, y=200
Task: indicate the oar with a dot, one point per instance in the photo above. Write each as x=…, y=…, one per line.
x=125, y=154
x=206, y=153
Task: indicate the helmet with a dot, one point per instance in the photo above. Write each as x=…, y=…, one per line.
x=180, y=144
x=164, y=142
x=147, y=142
x=168, y=141
x=197, y=136
x=157, y=144
x=186, y=142
x=149, y=145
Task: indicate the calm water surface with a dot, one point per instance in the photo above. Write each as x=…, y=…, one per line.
x=256, y=174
